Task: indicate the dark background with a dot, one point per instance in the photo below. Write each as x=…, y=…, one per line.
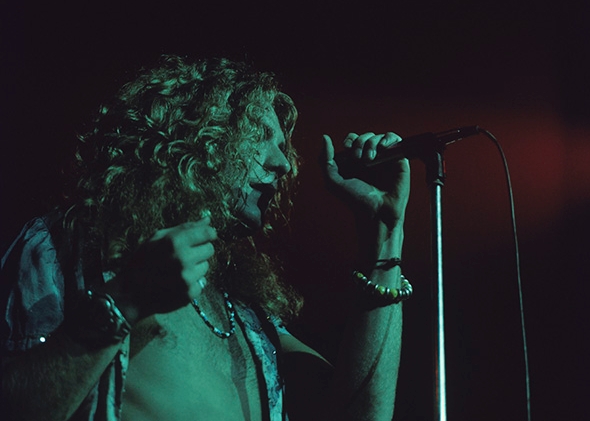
x=518, y=69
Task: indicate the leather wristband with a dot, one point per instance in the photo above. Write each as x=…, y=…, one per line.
x=96, y=321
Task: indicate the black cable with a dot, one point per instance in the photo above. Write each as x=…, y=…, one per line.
x=518, y=272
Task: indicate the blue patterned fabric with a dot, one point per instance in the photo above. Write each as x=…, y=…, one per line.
x=33, y=301
x=267, y=358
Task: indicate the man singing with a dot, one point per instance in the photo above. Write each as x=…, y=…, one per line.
x=145, y=298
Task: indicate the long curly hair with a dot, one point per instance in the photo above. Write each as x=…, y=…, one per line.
x=170, y=147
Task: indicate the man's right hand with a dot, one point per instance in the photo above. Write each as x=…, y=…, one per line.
x=167, y=271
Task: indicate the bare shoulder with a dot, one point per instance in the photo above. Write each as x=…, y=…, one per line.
x=291, y=345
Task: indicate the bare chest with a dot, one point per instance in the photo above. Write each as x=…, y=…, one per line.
x=180, y=370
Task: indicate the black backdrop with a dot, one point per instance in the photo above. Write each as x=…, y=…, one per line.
x=519, y=71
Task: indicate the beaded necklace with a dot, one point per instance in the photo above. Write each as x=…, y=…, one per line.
x=229, y=307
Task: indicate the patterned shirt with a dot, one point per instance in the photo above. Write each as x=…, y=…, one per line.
x=41, y=269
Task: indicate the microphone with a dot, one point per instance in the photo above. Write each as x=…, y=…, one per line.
x=410, y=147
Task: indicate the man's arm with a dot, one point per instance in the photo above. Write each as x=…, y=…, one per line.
x=367, y=368
x=50, y=380
x=364, y=381
x=362, y=384
x=368, y=363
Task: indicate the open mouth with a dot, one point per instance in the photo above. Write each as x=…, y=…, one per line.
x=267, y=192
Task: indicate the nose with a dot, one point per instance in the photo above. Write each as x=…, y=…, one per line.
x=277, y=162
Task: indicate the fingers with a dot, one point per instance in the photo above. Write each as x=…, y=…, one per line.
x=195, y=255
x=169, y=270
x=390, y=139
x=349, y=140
x=190, y=244
x=195, y=233
x=366, y=146
x=357, y=143
x=194, y=277
x=195, y=288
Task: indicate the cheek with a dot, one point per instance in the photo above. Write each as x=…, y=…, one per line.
x=240, y=195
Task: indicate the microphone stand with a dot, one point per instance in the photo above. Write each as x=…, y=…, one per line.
x=435, y=178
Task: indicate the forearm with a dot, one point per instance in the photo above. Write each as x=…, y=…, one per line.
x=50, y=381
x=366, y=373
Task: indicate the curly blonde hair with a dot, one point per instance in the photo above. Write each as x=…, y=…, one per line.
x=171, y=146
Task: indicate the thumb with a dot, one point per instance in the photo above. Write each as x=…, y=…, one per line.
x=328, y=151
x=327, y=161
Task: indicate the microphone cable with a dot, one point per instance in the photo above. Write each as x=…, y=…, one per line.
x=518, y=270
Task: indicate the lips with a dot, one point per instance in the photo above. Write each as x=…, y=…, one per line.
x=265, y=188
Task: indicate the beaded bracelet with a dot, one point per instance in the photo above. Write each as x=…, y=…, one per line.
x=381, y=294
x=95, y=320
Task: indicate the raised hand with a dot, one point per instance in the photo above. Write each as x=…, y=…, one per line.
x=169, y=269
x=383, y=192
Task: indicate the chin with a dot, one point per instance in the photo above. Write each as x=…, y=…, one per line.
x=250, y=221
